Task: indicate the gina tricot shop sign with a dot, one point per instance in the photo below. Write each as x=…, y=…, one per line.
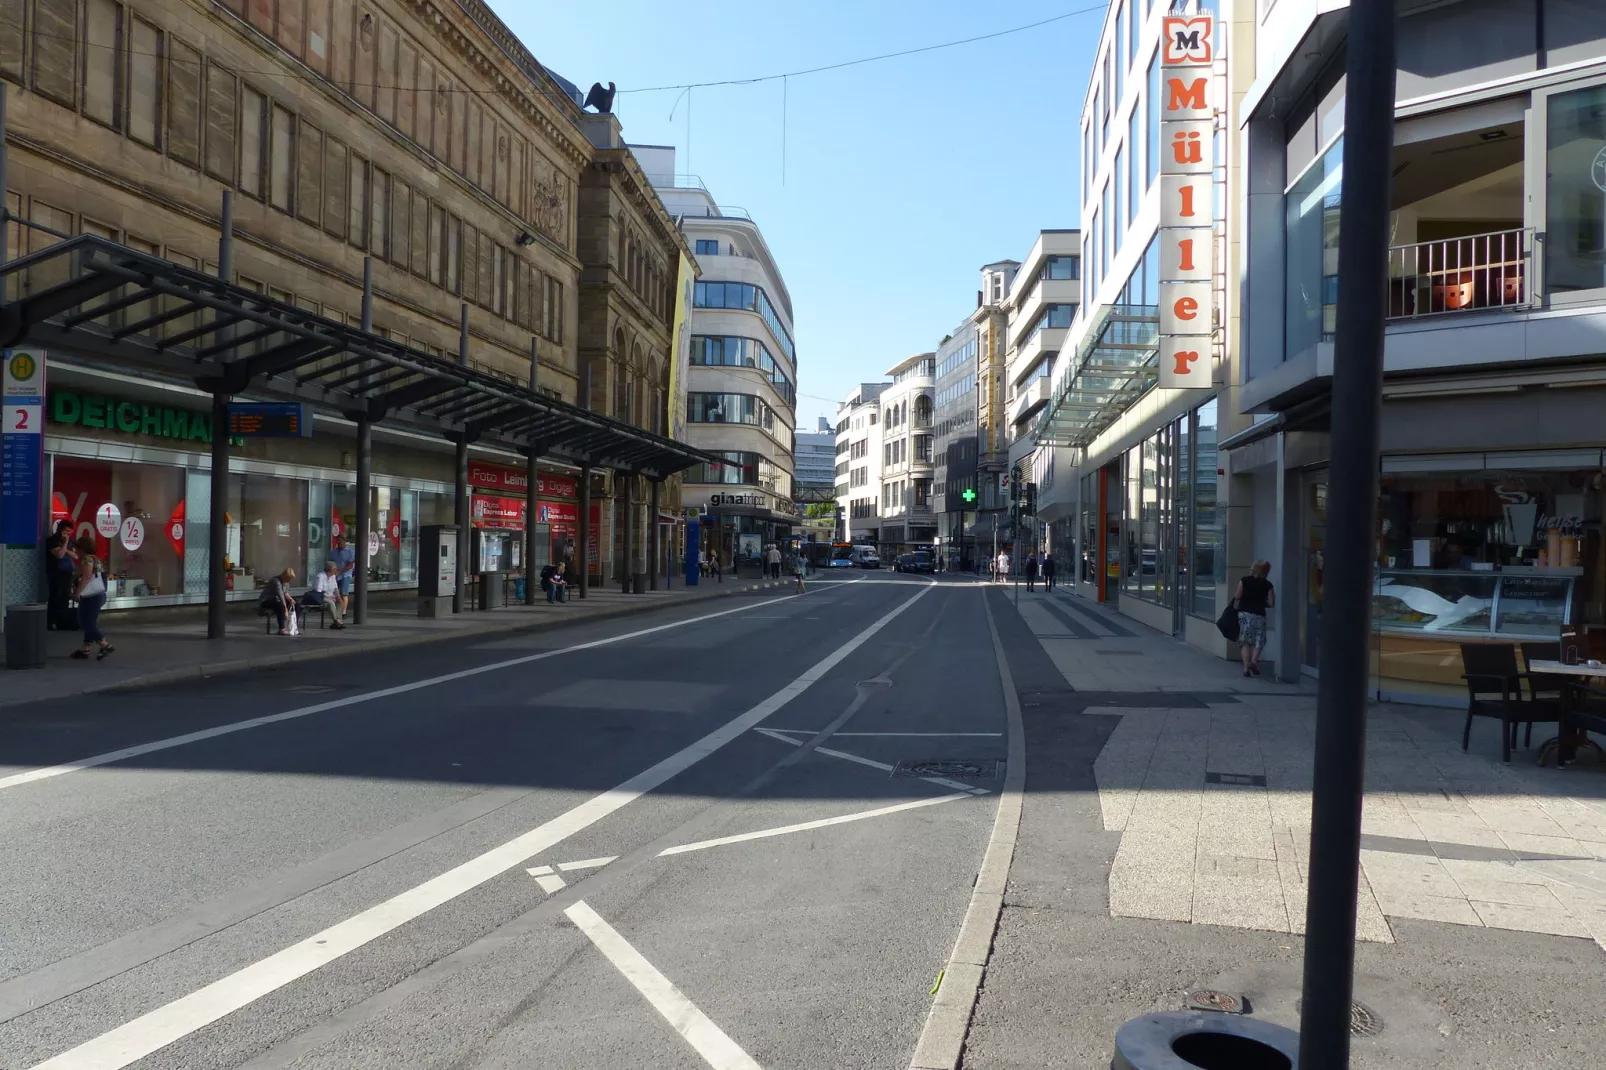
x=1187, y=205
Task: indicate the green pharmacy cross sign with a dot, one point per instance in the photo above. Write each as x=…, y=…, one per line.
x=969, y=495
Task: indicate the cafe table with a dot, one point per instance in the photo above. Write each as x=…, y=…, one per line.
x=1568, y=737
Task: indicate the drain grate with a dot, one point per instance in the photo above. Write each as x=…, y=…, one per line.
x=1363, y=1020
x=1121, y=653
x=1208, y=999
x=311, y=689
x=1254, y=780
x=949, y=768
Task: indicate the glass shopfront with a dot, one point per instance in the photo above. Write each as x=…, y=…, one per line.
x=144, y=554
x=1482, y=555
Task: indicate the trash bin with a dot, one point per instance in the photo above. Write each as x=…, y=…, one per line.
x=1204, y=1040
x=491, y=589
x=25, y=635
x=638, y=582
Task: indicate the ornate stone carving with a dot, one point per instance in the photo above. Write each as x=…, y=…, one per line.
x=549, y=210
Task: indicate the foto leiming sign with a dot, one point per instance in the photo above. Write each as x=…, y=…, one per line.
x=1187, y=206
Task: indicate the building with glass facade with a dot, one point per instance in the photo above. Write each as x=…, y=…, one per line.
x=955, y=441
x=741, y=382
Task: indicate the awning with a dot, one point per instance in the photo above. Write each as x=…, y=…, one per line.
x=1112, y=367
x=133, y=311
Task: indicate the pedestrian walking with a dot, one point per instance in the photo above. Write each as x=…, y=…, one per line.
x=61, y=563
x=345, y=559
x=772, y=558
x=1253, y=597
x=801, y=565
x=1049, y=568
x=1031, y=572
x=1003, y=565
x=90, y=590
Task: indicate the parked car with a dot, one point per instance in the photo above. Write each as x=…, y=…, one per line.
x=903, y=563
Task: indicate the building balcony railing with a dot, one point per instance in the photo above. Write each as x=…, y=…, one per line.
x=1483, y=271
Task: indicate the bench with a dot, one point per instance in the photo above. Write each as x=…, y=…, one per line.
x=325, y=614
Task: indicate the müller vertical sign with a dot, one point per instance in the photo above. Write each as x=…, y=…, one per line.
x=1187, y=206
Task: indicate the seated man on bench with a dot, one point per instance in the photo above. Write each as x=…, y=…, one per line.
x=324, y=595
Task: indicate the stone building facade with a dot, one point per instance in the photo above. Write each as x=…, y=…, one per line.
x=420, y=133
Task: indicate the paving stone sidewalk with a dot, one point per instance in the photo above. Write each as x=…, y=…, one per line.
x=161, y=646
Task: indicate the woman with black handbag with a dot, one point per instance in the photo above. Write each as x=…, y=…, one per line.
x=1253, y=597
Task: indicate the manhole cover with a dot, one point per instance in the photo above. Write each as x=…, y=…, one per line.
x=949, y=768
x=1249, y=779
x=1121, y=653
x=1363, y=1020
x=1208, y=999
x=310, y=689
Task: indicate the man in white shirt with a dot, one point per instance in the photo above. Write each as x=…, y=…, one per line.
x=1003, y=565
x=326, y=592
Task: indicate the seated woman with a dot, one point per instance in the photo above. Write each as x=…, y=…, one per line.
x=277, y=600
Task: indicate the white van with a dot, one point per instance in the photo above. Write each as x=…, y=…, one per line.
x=866, y=557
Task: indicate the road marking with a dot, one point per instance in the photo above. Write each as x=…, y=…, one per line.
x=107, y=758
x=154, y=1030
x=871, y=762
x=549, y=882
x=805, y=826
x=814, y=732
x=707, y=1039
x=541, y=872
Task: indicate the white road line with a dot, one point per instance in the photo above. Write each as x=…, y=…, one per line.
x=707, y=1039
x=156, y=1029
x=813, y=731
x=550, y=882
x=107, y=758
x=589, y=863
x=703, y=845
x=871, y=762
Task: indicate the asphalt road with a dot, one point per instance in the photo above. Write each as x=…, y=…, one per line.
x=334, y=870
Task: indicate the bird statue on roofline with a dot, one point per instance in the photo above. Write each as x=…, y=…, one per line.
x=600, y=98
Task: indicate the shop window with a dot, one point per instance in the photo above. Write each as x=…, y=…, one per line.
x=267, y=529
x=141, y=561
x=1209, y=560
x=1312, y=206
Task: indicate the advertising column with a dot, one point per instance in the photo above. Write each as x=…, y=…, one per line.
x=1187, y=205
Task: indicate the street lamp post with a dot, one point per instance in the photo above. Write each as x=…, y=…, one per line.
x=1340, y=760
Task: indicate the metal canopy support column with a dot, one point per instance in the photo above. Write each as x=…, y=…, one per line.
x=655, y=542
x=217, y=531
x=583, y=551
x=530, y=481
x=460, y=486
x=365, y=465
x=627, y=517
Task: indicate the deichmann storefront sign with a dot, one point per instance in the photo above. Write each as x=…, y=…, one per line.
x=1187, y=206
x=129, y=417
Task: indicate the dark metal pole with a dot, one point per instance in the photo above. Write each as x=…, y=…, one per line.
x=1340, y=761
x=460, y=487
x=583, y=551
x=365, y=466
x=654, y=543
x=217, y=542
x=628, y=519
x=532, y=480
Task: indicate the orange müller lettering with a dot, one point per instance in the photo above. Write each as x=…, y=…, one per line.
x=1185, y=95
x=1184, y=357
x=1185, y=246
x=1186, y=308
x=1185, y=146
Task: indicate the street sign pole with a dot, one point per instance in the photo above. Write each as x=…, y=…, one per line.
x=1349, y=557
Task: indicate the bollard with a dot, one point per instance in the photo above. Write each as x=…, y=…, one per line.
x=1199, y=1040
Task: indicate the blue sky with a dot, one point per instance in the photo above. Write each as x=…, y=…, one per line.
x=902, y=177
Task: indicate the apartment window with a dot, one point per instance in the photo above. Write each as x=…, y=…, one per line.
x=309, y=187
x=1119, y=36
x=282, y=163
x=357, y=203
x=379, y=215
x=420, y=233
x=102, y=60
x=437, y=246
x=454, y=253
x=1087, y=158
x=145, y=83
x=707, y=247
x=1134, y=183
x=401, y=205
x=1098, y=143
x=183, y=100
x=13, y=13
x=222, y=93
x=554, y=309
x=252, y=105
x=335, y=187
x=1116, y=188
x=1061, y=267
x=1575, y=213
x=55, y=38
x=1105, y=224
x=1151, y=157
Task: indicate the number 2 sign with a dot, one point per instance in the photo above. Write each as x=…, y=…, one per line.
x=23, y=419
